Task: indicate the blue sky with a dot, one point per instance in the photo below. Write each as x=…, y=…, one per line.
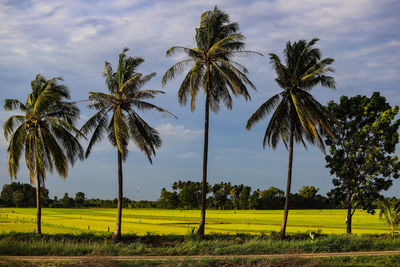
x=73, y=38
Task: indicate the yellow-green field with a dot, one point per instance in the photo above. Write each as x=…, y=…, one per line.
x=142, y=221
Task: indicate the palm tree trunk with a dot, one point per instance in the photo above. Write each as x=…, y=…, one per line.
x=38, y=207
x=282, y=232
x=348, y=218
x=200, y=232
x=117, y=232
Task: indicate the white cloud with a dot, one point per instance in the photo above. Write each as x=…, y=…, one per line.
x=178, y=131
x=189, y=155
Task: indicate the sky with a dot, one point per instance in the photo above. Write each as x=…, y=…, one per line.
x=72, y=39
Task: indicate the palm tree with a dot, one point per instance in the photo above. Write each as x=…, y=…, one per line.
x=44, y=128
x=214, y=71
x=117, y=116
x=297, y=116
x=390, y=213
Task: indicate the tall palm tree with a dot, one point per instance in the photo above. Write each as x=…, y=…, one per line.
x=44, y=128
x=118, y=116
x=390, y=213
x=214, y=71
x=297, y=116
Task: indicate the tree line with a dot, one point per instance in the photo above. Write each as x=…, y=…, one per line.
x=225, y=196
x=23, y=196
x=184, y=195
x=361, y=132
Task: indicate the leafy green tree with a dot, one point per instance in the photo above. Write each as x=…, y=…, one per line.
x=390, y=213
x=308, y=192
x=220, y=195
x=44, y=128
x=254, y=202
x=244, y=197
x=80, y=199
x=362, y=157
x=297, y=116
x=169, y=200
x=27, y=191
x=272, y=198
x=272, y=192
x=67, y=202
x=18, y=198
x=189, y=193
x=118, y=116
x=234, y=196
x=214, y=71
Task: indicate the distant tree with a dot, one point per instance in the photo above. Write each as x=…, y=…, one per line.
x=67, y=202
x=272, y=198
x=24, y=194
x=254, y=202
x=189, y=193
x=244, y=197
x=80, y=199
x=169, y=200
x=272, y=192
x=55, y=203
x=298, y=116
x=362, y=157
x=118, y=116
x=44, y=197
x=212, y=71
x=18, y=198
x=221, y=192
x=308, y=192
x=44, y=128
x=234, y=196
x=390, y=213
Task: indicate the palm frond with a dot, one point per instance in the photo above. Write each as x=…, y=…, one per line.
x=145, y=137
x=263, y=110
x=175, y=69
x=278, y=124
x=57, y=154
x=10, y=124
x=191, y=52
x=142, y=105
x=98, y=124
x=14, y=150
x=14, y=104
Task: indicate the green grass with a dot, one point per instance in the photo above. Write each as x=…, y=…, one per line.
x=360, y=261
x=217, y=244
x=180, y=222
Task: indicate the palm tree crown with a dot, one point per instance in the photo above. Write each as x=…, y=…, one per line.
x=117, y=111
x=212, y=66
x=44, y=129
x=295, y=107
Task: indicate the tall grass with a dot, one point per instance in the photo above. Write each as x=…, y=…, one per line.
x=90, y=244
x=359, y=261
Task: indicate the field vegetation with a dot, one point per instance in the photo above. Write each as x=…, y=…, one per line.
x=28, y=244
x=181, y=222
x=234, y=261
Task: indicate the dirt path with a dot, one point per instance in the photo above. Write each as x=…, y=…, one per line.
x=150, y=258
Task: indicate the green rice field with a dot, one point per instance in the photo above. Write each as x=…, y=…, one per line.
x=155, y=221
